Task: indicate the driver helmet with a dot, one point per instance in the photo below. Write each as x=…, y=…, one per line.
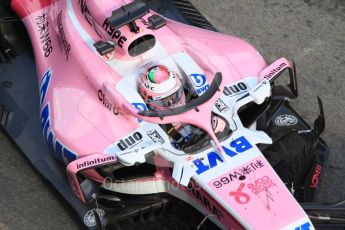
x=161, y=88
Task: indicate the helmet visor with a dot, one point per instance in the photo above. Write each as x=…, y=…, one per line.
x=171, y=100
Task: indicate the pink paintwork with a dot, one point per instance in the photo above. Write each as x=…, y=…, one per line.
x=75, y=82
x=272, y=71
x=87, y=112
x=261, y=193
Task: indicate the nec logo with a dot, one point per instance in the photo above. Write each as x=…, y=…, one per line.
x=235, y=147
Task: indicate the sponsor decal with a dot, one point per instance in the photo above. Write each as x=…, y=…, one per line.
x=86, y=12
x=305, y=226
x=242, y=192
x=61, y=151
x=146, y=66
x=189, y=158
x=115, y=34
x=90, y=219
x=286, y=120
x=130, y=141
x=200, y=196
x=239, y=145
x=107, y=103
x=126, y=153
x=44, y=84
x=140, y=107
x=316, y=176
x=221, y=106
x=260, y=86
x=239, y=196
x=239, y=174
x=214, y=123
x=43, y=29
x=200, y=82
x=154, y=135
x=261, y=185
x=235, y=89
x=274, y=71
x=149, y=87
x=62, y=36
x=95, y=162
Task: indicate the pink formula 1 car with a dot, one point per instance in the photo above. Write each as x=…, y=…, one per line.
x=124, y=164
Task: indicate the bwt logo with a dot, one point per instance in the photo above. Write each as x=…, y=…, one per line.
x=305, y=226
x=140, y=107
x=200, y=82
x=237, y=146
x=198, y=79
x=202, y=89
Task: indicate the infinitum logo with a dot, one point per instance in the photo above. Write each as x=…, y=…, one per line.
x=96, y=161
x=275, y=71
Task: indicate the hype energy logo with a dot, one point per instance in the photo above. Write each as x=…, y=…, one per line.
x=61, y=151
x=237, y=146
x=199, y=82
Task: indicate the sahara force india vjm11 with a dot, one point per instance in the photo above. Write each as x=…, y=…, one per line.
x=165, y=125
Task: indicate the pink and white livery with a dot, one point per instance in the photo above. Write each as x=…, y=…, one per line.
x=90, y=56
